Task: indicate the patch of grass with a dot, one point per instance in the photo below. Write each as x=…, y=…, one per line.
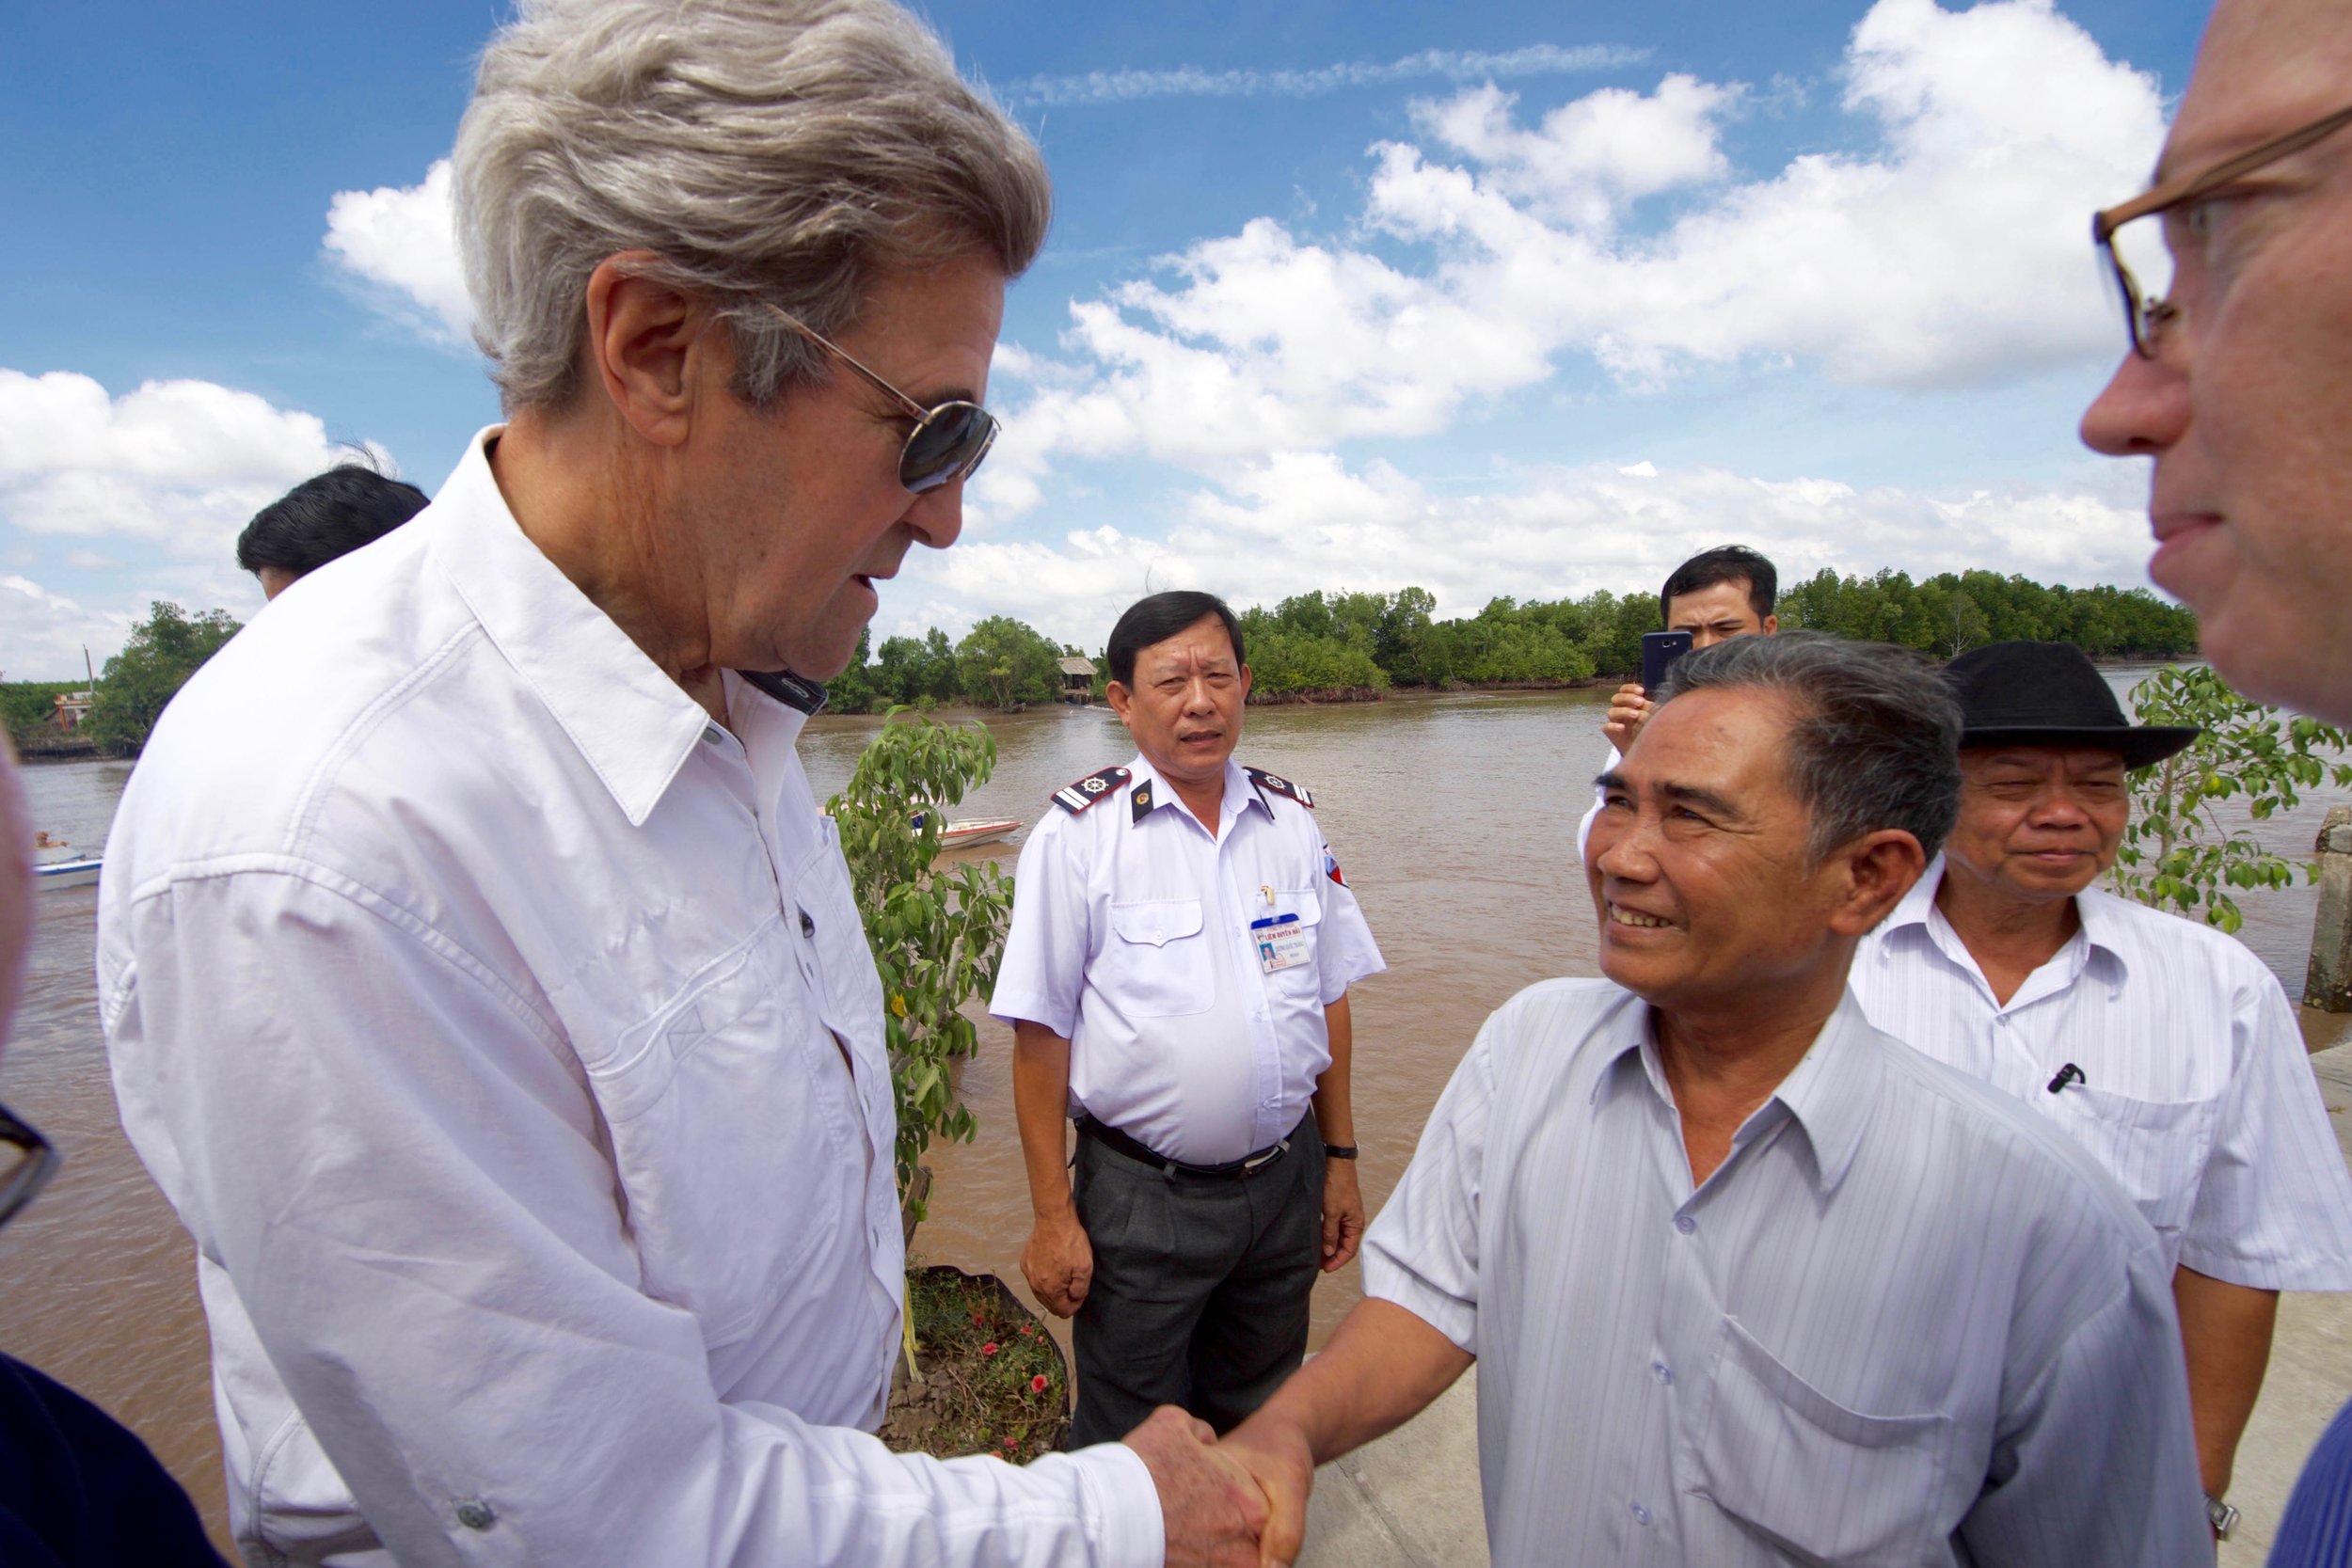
x=993, y=1378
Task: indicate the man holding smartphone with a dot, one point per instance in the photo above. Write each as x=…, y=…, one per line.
x=1714, y=596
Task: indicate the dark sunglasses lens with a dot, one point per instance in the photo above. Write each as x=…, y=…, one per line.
x=948, y=444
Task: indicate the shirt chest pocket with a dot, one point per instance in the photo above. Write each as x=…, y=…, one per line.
x=736, y=1136
x=2155, y=1149
x=1156, y=963
x=1832, y=1485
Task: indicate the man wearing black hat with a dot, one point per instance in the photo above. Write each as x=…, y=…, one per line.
x=2165, y=1047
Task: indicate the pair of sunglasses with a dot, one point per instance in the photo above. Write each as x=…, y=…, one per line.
x=947, y=441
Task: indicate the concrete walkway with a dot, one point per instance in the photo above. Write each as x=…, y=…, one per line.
x=1411, y=1499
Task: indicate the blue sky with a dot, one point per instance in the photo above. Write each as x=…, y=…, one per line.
x=1511, y=298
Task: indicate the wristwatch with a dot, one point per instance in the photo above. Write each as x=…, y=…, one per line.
x=1338, y=1152
x=2221, y=1515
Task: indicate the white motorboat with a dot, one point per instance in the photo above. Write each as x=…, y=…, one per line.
x=62, y=865
x=971, y=831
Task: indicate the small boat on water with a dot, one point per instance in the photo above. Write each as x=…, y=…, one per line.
x=971, y=830
x=58, y=864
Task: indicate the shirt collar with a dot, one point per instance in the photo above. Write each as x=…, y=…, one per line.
x=2106, y=935
x=633, y=725
x=1240, y=794
x=1829, y=1093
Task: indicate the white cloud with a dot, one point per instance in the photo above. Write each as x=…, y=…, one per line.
x=1303, y=520
x=401, y=242
x=1948, y=250
x=183, y=463
x=1115, y=86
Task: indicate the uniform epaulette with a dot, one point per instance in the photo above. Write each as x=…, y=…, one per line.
x=1075, y=798
x=1283, y=786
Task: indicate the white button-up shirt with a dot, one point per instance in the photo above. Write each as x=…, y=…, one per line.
x=2195, y=1091
x=1904, y=1323
x=1132, y=939
x=503, y=1031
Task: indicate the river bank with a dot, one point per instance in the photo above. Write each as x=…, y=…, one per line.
x=1452, y=813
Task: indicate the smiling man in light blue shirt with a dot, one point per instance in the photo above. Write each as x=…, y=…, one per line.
x=1749, y=1282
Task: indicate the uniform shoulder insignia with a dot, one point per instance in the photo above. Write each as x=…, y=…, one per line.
x=1074, y=798
x=1279, y=786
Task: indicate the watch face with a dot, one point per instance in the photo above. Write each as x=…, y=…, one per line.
x=2222, y=1516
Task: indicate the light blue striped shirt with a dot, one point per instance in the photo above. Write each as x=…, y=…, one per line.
x=1905, y=1322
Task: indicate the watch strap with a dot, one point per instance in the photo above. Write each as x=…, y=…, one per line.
x=1338, y=1152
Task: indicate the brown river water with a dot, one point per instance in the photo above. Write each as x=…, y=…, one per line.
x=1454, y=817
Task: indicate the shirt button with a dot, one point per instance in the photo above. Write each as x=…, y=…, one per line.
x=710, y=735
x=1641, y=1514
x=1685, y=1224
x=475, y=1515
x=808, y=927
x=1662, y=1372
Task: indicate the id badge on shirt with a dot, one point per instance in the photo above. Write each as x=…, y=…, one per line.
x=1281, y=943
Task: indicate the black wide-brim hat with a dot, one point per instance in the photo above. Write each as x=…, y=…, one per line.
x=2050, y=694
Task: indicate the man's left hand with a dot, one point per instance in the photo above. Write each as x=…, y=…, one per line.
x=1343, y=1213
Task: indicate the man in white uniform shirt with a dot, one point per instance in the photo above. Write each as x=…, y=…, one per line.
x=1177, y=979
x=2163, y=1047
x=1747, y=1281
x=482, y=985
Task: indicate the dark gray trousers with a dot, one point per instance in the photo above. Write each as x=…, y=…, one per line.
x=1201, y=1286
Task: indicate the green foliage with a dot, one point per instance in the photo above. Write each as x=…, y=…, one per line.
x=2176, y=854
x=1006, y=662
x=936, y=935
x=29, y=706
x=854, y=690
x=1950, y=613
x=916, y=670
x=162, y=653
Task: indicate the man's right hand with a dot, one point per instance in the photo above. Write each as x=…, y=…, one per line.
x=1277, y=1453
x=1212, y=1510
x=1059, y=1263
x=1629, y=710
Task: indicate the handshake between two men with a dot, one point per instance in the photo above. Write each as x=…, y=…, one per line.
x=1747, y=1279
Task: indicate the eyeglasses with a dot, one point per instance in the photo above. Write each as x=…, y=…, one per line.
x=2145, y=314
x=27, y=1163
x=947, y=441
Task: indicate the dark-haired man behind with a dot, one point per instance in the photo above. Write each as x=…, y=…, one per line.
x=326, y=516
x=1715, y=595
x=1176, y=977
x=1748, y=1282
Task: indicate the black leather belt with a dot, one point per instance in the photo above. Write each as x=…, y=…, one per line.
x=1248, y=1164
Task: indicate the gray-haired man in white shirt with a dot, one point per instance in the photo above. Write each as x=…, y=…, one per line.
x=1749, y=1282
x=482, y=984
x=2163, y=1047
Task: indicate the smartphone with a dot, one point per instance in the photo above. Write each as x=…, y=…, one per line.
x=1659, y=649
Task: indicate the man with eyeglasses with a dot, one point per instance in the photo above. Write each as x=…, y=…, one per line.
x=482, y=984
x=78, y=1489
x=2236, y=274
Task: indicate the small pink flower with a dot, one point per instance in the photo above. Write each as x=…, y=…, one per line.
x=1037, y=1383
x=989, y=1349
x=1011, y=1443
x=1027, y=1329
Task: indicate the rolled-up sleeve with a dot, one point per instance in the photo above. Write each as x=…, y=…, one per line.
x=1042, y=973
x=2274, y=1203
x=1422, y=1251
x=396, y=1163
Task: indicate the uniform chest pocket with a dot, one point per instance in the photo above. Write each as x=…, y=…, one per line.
x=1831, y=1485
x=1156, y=962
x=2155, y=1149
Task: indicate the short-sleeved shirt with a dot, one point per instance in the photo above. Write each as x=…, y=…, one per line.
x=2194, y=1089
x=1135, y=937
x=1905, y=1322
